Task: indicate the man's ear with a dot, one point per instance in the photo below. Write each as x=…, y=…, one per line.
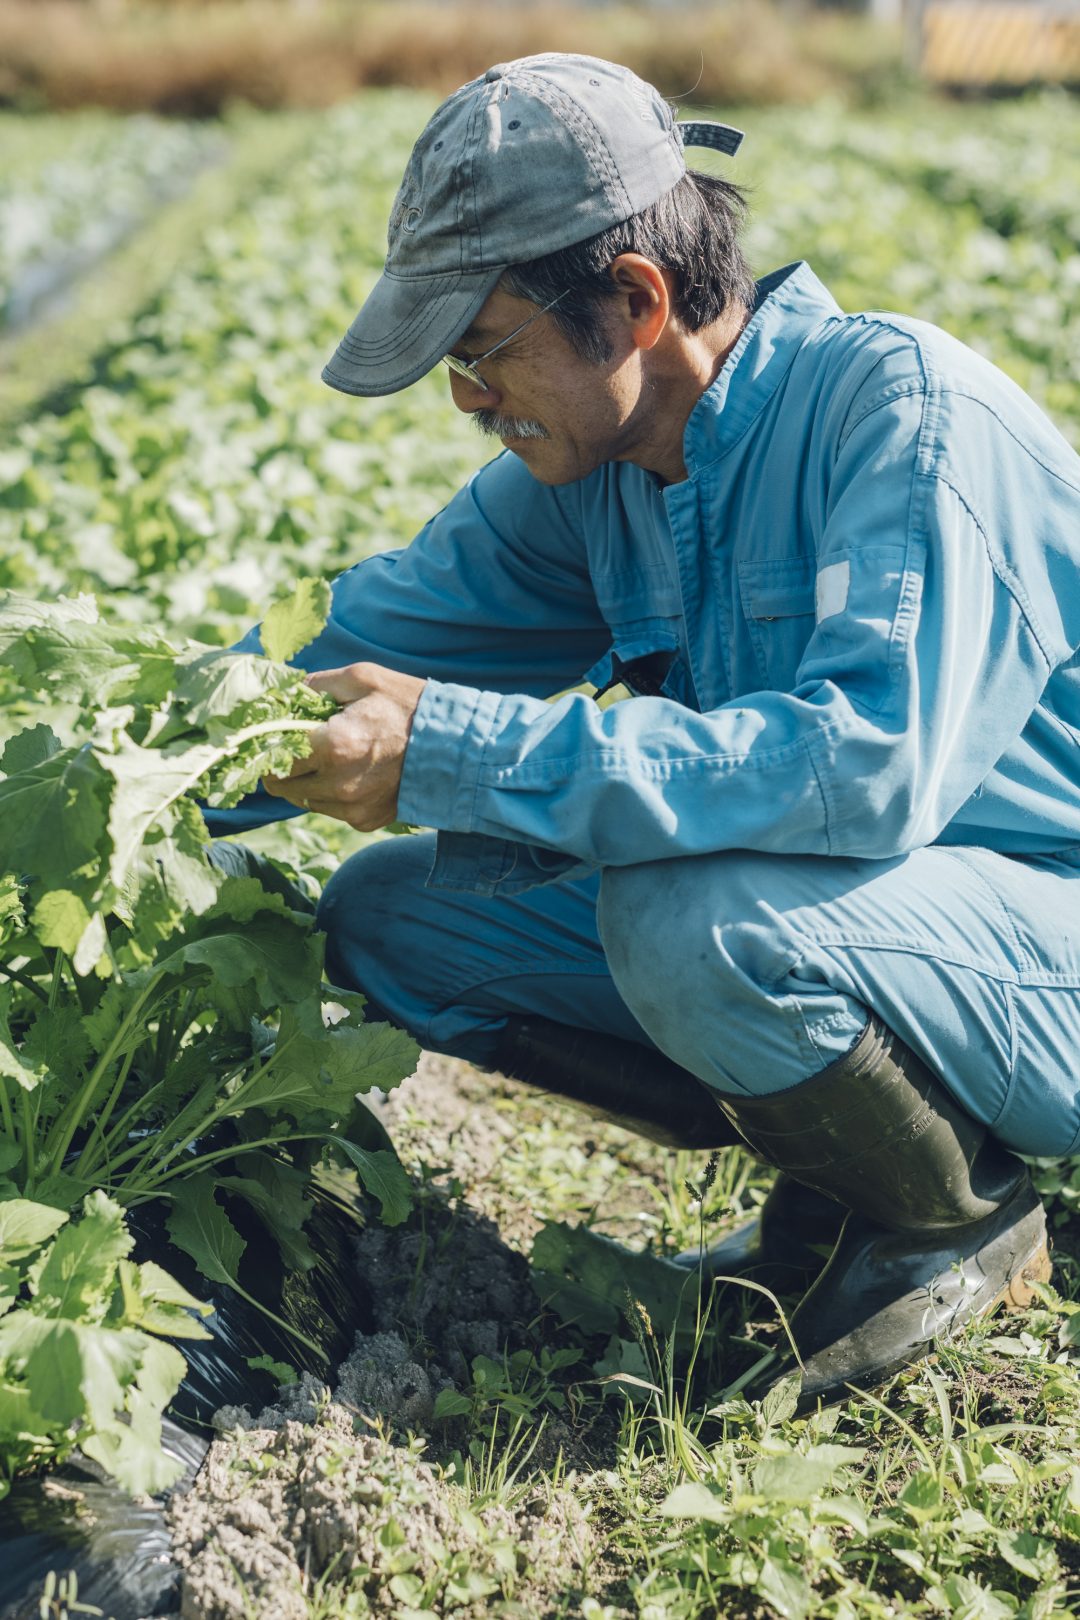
x=646, y=304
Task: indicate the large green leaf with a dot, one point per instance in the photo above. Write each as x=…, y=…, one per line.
x=256, y=954
x=77, y=1276
x=216, y=686
x=55, y=819
x=375, y=1056
x=61, y=919
x=198, y=1225
x=154, y=1302
x=57, y=1042
x=587, y=1279
x=799, y=1476
x=693, y=1500
x=382, y=1175
x=52, y=649
x=25, y=1227
x=148, y=782
x=316, y=1068
x=74, y=1371
x=131, y=1450
x=20, y=1421
x=786, y=1589
x=16, y=1063
x=294, y=622
x=10, y=1287
x=28, y=748
x=277, y=1192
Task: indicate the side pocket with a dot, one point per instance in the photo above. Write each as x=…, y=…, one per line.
x=646, y=659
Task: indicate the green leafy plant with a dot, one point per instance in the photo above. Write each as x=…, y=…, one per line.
x=82, y=1359
x=165, y=1029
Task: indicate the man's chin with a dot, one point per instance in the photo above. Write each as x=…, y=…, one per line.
x=545, y=468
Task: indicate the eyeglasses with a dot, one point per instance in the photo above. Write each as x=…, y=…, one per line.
x=467, y=368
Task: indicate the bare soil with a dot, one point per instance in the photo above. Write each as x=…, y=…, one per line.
x=286, y=1504
x=331, y=1484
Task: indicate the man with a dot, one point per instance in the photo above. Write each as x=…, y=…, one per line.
x=814, y=887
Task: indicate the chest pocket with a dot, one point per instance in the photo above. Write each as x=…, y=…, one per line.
x=778, y=605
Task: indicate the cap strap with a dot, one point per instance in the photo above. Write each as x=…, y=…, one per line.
x=721, y=137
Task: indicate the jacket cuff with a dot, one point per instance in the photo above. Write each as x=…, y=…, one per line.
x=440, y=775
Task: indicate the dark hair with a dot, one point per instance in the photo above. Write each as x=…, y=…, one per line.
x=692, y=230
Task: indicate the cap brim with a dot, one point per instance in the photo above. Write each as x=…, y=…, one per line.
x=404, y=329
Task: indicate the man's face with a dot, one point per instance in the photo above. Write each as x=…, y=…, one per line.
x=563, y=415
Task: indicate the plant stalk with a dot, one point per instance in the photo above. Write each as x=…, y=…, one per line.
x=85, y=1099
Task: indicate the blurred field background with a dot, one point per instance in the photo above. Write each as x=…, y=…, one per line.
x=191, y=58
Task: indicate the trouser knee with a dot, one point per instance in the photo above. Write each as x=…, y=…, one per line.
x=369, y=913
x=691, y=943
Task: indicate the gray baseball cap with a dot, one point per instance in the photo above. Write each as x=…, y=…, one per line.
x=533, y=156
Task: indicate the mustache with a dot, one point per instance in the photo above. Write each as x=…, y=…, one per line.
x=497, y=426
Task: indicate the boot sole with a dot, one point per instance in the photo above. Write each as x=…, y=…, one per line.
x=1018, y=1294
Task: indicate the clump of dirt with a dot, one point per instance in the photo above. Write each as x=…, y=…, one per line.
x=284, y=1505
x=444, y=1290
x=383, y=1379
x=449, y=1283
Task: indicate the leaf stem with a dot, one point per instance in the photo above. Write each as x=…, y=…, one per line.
x=265, y=728
x=57, y=980
x=150, y=1148
x=97, y=1136
x=286, y=1326
x=28, y=1144
x=5, y=1110
x=84, y=1101
x=119, y=1131
x=152, y=1185
x=26, y=982
x=225, y=1107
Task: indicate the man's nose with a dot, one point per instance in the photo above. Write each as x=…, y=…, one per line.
x=469, y=396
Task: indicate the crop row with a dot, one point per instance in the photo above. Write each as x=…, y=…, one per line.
x=93, y=183
x=1014, y=162
x=207, y=466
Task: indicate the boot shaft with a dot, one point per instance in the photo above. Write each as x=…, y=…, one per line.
x=878, y=1131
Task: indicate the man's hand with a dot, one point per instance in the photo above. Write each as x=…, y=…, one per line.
x=354, y=769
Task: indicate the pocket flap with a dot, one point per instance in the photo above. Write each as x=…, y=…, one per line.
x=778, y=590
x=780, y=601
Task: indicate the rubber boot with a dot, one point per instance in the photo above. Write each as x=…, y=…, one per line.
x=944, y=1221
x=790, y=1241
x=638, y=1088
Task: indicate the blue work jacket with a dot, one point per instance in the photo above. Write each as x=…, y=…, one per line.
x=863, y=604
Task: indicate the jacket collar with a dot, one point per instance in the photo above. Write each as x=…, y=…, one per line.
x=790, y=303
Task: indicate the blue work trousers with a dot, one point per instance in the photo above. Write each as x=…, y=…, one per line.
x=752, y=970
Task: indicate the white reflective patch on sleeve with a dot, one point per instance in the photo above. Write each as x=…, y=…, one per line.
x=832, y=590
